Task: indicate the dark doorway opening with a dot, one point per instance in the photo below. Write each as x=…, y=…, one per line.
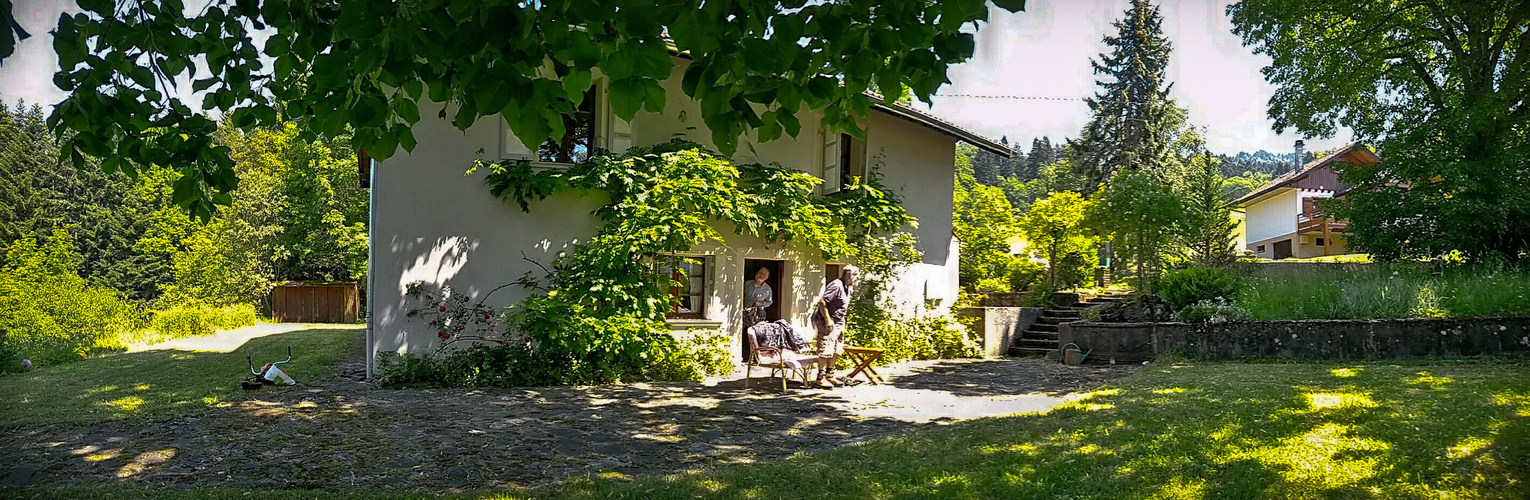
x=773, y=311
x=1283, y=249
x=831, y=273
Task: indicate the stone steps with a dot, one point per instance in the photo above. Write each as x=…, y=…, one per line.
x=1042, y=336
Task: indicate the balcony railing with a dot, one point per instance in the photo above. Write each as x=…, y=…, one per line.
x=1312, y=220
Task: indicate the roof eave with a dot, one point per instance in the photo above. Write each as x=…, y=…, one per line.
x=915, y=116
x=904, y=112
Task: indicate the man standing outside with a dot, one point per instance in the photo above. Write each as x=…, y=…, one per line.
x=829, y=320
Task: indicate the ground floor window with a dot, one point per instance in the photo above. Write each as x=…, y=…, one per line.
x=687, y=287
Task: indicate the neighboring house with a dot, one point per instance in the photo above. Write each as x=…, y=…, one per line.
x=431, y=223
x=1282, y=218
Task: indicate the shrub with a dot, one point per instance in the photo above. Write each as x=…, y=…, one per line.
x=1196, y=284
x=1091, y=314
x=52, y=314
x=546, y=341
x=1023, y=273
x=520, y=364
x=696, y=357
x=1213, y=311
x=904, y=339
x=190, y=320
x=991, y=285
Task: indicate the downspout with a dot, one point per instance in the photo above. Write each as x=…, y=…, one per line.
x=371, y=265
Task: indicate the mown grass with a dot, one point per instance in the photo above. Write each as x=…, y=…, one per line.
x=1383, y=291
x=160, y=383
x=1213, y=430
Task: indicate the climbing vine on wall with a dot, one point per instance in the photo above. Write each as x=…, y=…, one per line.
x=599, y=309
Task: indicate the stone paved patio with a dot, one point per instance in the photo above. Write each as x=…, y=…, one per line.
x=341, y=433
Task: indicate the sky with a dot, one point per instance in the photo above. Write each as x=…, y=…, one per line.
x=1045, y=52
x=1042, y=52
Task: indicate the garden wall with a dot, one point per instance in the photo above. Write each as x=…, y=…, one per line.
x=1312, y=339
x=1000, y=326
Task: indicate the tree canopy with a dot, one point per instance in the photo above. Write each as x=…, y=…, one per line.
x=1055, y=227
x=1443, y=90
x=363, y=67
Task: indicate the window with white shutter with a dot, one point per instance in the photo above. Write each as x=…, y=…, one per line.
x=844, y=159
x=831, y=163
x=576, y=144
x=619, y=133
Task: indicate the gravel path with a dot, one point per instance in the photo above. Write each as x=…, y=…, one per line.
x=341, y=433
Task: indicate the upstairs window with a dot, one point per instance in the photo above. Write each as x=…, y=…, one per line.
x=575, y=145
x=844, y=159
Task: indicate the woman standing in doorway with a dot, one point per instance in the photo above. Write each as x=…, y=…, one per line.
x=757, y=297
x=829, y=320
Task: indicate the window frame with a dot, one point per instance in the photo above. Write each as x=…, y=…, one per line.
x=607, y=131
x=846, y=164
x=704, y=279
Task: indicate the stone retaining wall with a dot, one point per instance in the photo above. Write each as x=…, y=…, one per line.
x=1000, y=326
x=1312, y=339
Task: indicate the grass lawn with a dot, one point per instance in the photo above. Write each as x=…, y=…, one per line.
x=1372, y=291
x=156, y=384
x=1194, y=430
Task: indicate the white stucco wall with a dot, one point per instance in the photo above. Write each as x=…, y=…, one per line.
x=1275, y=216
x=433, y=224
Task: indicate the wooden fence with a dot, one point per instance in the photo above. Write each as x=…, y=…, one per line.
x=295, y=302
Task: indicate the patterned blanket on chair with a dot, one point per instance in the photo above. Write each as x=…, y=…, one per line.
x=780, y=334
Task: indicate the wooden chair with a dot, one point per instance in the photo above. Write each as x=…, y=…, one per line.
x=781, y=362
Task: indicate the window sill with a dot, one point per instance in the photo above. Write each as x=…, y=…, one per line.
x=538, y=163
x=687, y=324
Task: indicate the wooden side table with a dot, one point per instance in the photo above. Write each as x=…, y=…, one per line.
x=863, y=357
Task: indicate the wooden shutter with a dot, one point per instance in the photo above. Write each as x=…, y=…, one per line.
x=832, y=172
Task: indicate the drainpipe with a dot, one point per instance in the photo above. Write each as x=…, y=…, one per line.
x=371, y=264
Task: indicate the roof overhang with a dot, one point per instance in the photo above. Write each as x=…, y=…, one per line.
x=904, y=112
x=1354, y=153
x=942, y=126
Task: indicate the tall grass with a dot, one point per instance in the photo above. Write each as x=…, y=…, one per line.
x=1405, y=290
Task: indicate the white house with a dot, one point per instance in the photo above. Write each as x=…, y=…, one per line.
x=1283, y=219
x=432, y=223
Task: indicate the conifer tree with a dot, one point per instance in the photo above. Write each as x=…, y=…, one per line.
x=1129, y=129
x=1042, y=153
x=985, y=167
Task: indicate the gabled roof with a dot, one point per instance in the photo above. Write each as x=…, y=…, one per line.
x=904, y=112
x=1352, y=153
x=935, y=122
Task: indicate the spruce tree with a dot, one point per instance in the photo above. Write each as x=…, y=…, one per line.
x=1128, y=130
x=1042, y=153
x=985, y=167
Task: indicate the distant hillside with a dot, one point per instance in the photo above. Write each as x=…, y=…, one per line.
x=1260, y=162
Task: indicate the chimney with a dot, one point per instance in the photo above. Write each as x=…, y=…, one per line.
x=1300, y=154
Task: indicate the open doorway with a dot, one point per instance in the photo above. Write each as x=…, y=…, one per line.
x=773, y=311
x=1283, y=249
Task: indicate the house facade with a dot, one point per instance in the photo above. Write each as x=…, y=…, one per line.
x=1283, y=219
x=433, y=224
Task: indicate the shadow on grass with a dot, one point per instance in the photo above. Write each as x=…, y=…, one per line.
x=1010, y=376
x=160, y=383
x=1213, y=431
